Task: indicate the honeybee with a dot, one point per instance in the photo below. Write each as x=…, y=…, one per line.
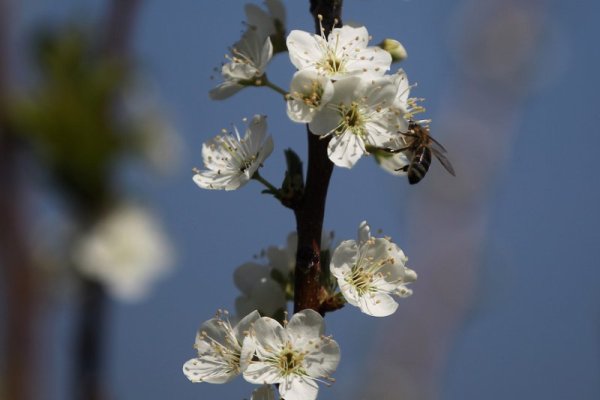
x=419, y=149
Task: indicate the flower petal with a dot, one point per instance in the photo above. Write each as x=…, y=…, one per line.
x=325, y=122
x=324, y=360
x=298, y=388
x=208, y=369
x=242, y=327
x=266, y=296
x=372, y=60
x=225, y=90
x=304, y=48
x=344, y=257
x=306, y=325
x=268, y=334
x=345, y=150
x=262, y=372
x=248, y=274
x=215, y=181
x=378, y=304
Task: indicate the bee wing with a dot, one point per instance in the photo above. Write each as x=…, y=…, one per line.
x=437, y=146
x=443, y=160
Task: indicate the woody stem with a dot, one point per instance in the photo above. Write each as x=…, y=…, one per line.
x=311, y=209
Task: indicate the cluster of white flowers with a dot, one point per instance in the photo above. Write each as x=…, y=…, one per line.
x=343, y=91
x=293, y=356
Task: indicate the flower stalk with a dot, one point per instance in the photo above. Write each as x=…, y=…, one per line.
x=270, y=187
x=266, y=82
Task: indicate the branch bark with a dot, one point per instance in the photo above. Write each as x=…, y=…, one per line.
x=19, y=283
x=308, y=292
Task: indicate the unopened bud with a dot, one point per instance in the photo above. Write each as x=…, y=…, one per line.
x=395, y=48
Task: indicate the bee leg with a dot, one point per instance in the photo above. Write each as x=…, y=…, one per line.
x=396, y=151
x=403, y=169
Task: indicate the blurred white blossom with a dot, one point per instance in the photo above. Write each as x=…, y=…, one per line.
x=267, y=287
x=259, y=290
x=126, y=251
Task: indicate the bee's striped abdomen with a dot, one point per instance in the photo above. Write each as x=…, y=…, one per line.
x=419, y=164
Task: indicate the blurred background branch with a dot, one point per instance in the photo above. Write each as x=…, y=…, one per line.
x=19, y=283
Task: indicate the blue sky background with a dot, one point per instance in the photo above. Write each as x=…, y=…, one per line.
x=533, y=328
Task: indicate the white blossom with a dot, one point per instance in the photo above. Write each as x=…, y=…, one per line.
x=219, y=347
x=231, y=161
x=360, y=114
x=259, y=290
x=343, y=53
x=126, y=251
x=369, y=271
x=283, y=259
x=295, y=356
x=266, y=23
x=309, y=93
x=247, y=64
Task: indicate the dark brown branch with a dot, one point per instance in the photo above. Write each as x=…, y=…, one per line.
x=308, y=292
x=119, y=27
x=19, y=284
x=91, y=324
x=330, y=11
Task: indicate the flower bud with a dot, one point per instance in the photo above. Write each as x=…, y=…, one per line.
x=395, y=48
